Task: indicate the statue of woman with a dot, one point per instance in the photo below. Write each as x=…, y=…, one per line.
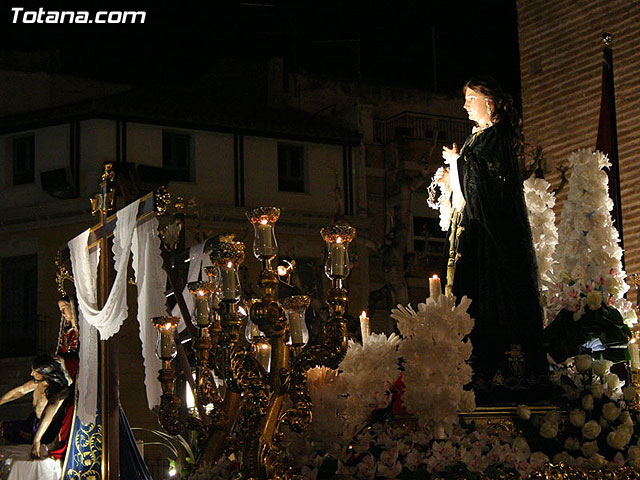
x=50, y=421
x=492, y=259
x=67, y=348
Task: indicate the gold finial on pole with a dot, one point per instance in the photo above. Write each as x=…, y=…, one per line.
x=607, y=38
x=62, y=273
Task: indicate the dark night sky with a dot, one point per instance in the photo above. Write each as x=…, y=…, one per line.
x=179, y=41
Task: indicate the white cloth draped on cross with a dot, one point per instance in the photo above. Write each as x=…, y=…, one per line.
x=141, y=240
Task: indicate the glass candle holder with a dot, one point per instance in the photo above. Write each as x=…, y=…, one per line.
x=295, y=308
x=227, y=257
x=263, y=353
x=252, y=332
x=166, y=349
x=202, y=295
x=337, y=238
x=263, y=219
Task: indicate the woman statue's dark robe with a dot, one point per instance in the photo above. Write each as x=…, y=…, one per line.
x=497, y=270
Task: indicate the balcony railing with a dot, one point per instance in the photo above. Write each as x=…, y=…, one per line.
x=422, y=126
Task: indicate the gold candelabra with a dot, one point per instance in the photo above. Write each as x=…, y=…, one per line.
x=259, y=375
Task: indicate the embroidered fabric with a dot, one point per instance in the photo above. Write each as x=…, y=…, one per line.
x=151, y=280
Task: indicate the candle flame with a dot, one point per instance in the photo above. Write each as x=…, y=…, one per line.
x=363, y=315
x=167, y=326
x=633, y=340
x=201, y=293
x=264, y=221
x=282, y=271
x=339, y=240
x=434, y=277
x=229, y=264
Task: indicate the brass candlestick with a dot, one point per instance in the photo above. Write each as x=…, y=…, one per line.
x=255, y=391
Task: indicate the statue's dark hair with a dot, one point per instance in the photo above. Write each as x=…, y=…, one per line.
x=52, y=372
x=503, y=107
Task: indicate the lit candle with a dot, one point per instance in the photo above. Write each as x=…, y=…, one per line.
x=364, y=327
x=167, y=346
x=202, y=309
x=229, y=284
x=263, y=354
x=337, y=253
x=264, y=243
x=295, y=328
x=634, y=351
x=434, y=287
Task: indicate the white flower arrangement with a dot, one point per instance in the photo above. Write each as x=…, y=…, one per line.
x=587, y=265
x=368, y=371
x=540, y=201
x=435, y=354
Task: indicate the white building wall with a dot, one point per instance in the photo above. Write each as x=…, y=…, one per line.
x=51, y=152
x=213, y=163
x=97, y=145
x=213, y=168
x=323, y=169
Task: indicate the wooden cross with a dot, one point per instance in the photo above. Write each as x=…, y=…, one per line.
x=101, y=236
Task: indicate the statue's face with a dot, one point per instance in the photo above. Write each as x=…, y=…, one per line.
x=37, y=376
x=475, y=103
x=65, y=310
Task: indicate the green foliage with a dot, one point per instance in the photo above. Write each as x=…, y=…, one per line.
x=565, y=337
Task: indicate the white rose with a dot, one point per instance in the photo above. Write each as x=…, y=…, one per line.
x=625, y=419
x=594, y=299
x=587, y=402
x=591, y=429
x=538, y=459
x=597, y=460
x=523, y=412
x=589, y=448
x=619, y=438
x=613, y=381
x=633, y=455
x=600, y=367
x=583, y=362
x=549, y=430
x=572, y=443
x=553, y=416
x=520, y=443
x=610, y=411
x=577, y=417
x=563, y=457
x=629, y=394
x=597, y=390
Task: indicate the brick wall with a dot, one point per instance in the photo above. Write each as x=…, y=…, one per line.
x=560, y=63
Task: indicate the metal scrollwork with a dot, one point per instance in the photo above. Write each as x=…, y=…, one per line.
x=162, y=199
